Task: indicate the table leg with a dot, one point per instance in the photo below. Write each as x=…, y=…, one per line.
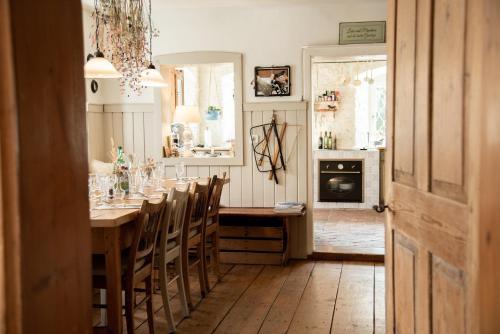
x=113, y=280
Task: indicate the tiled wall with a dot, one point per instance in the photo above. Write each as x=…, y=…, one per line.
x=371, y=177
x=342, y=123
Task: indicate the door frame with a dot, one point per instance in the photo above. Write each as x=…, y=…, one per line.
x=308, y=55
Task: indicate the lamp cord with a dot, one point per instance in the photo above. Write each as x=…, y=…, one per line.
x=150, y=36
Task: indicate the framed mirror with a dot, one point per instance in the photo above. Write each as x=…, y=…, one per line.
x=201, y=108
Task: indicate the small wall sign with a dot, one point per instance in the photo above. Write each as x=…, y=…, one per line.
x=361, y=32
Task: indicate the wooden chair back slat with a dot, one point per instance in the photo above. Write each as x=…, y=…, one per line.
x=197, y=208
x=173, y=220
x=217, y=185
x=148, y=223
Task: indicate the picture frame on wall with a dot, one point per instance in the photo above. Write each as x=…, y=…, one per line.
x=272, y=81
x=362, y=32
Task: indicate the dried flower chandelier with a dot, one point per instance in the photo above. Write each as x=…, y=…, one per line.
x=122, y=27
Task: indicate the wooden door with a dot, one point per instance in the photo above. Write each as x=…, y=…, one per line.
x=434, y=113
x=45, y=258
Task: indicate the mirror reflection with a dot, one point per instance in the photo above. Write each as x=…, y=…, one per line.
x=198, y=110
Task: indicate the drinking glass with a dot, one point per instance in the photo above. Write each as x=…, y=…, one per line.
x=132, y=182
x=179, y=170
x=119, y=192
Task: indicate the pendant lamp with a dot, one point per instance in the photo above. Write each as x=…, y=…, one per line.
x=98, y=67
x=151, y=77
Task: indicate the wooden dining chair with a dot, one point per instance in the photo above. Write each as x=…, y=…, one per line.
x=193, y=237
x=169, y=251
x=137, y=263
x=212, y=228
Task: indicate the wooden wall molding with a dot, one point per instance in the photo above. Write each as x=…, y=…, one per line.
x=277, y=106
x=129, y=107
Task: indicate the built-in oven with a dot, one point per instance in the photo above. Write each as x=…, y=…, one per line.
x=340, y=181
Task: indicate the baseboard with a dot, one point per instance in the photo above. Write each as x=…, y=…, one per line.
x=347, y=257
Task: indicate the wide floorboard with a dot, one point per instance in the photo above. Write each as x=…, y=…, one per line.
x=304, y=297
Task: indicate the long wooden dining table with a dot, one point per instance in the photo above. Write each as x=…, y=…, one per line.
x=112, y=232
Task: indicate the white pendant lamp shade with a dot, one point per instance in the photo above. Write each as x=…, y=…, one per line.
x=151, y=77
x=99, y=67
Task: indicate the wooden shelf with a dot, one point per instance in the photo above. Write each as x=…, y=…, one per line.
x=326, y=106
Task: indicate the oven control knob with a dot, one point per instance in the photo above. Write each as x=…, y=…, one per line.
x=340, y=166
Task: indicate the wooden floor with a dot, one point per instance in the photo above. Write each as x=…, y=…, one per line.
x=304, y=297
x=348, y=231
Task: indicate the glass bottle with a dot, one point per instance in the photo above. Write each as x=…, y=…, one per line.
x=320, y=145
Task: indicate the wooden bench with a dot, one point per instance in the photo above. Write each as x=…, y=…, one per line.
x=255, y=235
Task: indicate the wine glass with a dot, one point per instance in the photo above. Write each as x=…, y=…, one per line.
x=179, y=170
x=158, y=176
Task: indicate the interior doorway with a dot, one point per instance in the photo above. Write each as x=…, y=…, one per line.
x=347, y=88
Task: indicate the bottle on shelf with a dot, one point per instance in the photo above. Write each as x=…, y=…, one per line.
x=325, y=141
x=329, y=140
x=320, y=145
x=334, y=142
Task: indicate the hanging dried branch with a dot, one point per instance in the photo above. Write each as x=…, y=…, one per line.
x=123, y=36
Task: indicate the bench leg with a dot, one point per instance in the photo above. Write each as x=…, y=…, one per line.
x=286, y=241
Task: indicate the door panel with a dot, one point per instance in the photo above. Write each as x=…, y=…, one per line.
x=448, y=298
x=404, y=284
x=405, y=72
x=448, y=108
x=428, y=232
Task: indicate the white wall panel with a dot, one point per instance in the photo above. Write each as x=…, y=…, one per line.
x=246, y=169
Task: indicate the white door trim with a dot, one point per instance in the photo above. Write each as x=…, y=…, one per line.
x=308, y=54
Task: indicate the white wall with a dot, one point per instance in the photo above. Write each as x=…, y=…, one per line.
x=266, y=35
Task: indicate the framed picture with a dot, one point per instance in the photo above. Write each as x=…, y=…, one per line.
x=361, y=32
x=272, y=81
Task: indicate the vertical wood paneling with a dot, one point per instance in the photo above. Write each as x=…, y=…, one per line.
x=258, y=177
x=204, y=171
x=235, y=196
x=191, y=171
x=214, y=170
x=150, y=147
x=248, y=187
x=298, y=230
x=224, y=198
x=95, y=125
x=291, y=155
x=268, y=189
x=246, y=169
x=139, y=136
x=280, y=189
x=128, y=133
x=302, y=157
x=118, y=128
x=107, y=134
